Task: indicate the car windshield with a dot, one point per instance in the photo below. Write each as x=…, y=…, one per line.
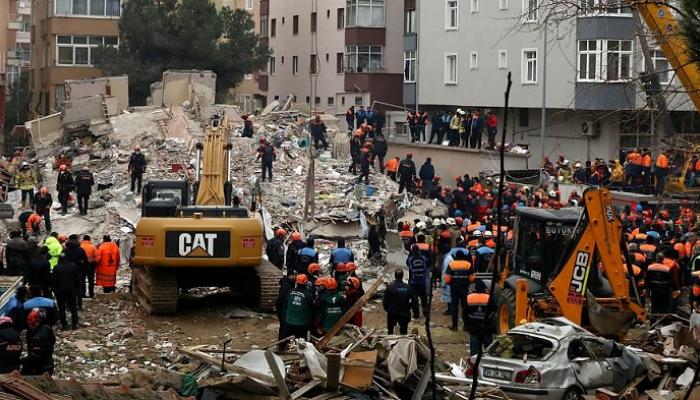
x=517, y=345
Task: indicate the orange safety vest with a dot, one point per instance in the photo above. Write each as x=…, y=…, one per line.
x=459, y=270
x=634, y=158
x=107, y=258
x=646, y=160
x=478, y=299
x=392, y=165
x=680, y=248
x=34, y=221
x=89, y=249
x=406, y=234
x=662, y=161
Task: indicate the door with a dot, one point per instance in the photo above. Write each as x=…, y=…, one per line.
x=588, y=371
x=601, y=352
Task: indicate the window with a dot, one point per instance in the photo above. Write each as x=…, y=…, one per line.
x=451, y=69
x=308, y=100
x=606, y=7
x=277, y=97
x=313, y=22
x=273, y=26
x=273, y=66
x=661, y=66
x=365, y=13
x=263, y=26
x=502, y=59
x=95, y=8
x=474, y=60
x=475, y=6
x=364, y=58
x=60, y=96
x=358, y=100
x=317, y=100
x=451, y=14
x=530, y=10
x=587, y=60
x=328, y=14
x=339, y=63
x=618, y=60
x=409, y=22
x=313, y=64
x=328, y=57
x=78, y=50
x=331, y=101
x=409, y=66
x=248, y=5
x=282, y=60
x=502, y=4
x=341, y=18
x=295, y=65
x=342, y=101
x=529, y=66
x=295, y=25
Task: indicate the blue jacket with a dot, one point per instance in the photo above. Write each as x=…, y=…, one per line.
x=341, y=255
x=427, y=172
x=11, y=305
x=483, y=255
x=418, y=270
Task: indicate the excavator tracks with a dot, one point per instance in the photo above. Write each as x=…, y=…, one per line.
x=155, y=290
x=268, y=277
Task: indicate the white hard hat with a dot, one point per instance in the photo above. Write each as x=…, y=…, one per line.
x=488, y=234
x=436, y=221
x=476, y=233
x=577, y=165
x=560, y=178
x=450, y=221
x=420, y=225
x=24, y=163
x=574, y=203
x=566, y=162
x=552, y=193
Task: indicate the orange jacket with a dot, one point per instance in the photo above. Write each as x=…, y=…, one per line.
x=646, y=160
x=662, y=161
x=392, y=165
x=34, y=221
x=89, y=249
x=107, y=258
x=634, y=158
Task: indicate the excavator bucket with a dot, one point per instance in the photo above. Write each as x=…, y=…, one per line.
x=609, y=317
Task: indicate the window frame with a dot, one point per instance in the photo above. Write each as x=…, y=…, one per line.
x=473, y=60
x=249, y=5
x=272, y=67
x=448, y=15
x=88, y=13
x=352, y=16
x=73, y=46
x=447, y=72
x=588, y=53
x=295, y=65
x=668, y=71
x=593, y=8
x=340, y=18
x=295, y=25
x=330, y=101
x=503, y=53
x=621, y=53
x=273, y=27
x=313, y=64
x=409, y=22
x=314, y=22
x=264, y=26
x=502, y=5
x=474, y=6
x=352, y=58
x=528, y=13
x=409, y=62
x=524, y=63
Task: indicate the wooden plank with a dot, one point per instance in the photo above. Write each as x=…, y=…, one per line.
x=360, y=376
x=422, y=383
x=348, y=315
x=281, y=384
x=216, y=363
x=333, y=371
x=302, y=390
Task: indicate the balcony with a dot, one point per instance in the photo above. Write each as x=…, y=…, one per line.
x=24, y=7
x=383, y=86
x=23, y=37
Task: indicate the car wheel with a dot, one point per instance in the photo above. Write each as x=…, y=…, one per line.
x=572, y=394
x=506, y=310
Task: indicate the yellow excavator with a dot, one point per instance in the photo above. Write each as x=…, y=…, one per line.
x=569, y=262
x=195, y=237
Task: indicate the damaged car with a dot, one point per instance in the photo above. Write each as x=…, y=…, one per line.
x=557, y=360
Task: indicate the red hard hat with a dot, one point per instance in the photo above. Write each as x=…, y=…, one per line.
x=331, y=283
x=350, y=266
x=301, y=279
x=280, y=232
x=62, y=167
x=321, y=281
x=314, y=268
x=296, y=236
x=647, y=221
x=354, y=282
x=341, y=267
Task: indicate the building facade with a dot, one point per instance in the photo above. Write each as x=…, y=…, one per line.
x=583, y=64
x=64, y=36
x=332, y=54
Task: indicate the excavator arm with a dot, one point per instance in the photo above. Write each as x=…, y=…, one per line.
x=664, y=26
x=213, y=164
x=601, y=237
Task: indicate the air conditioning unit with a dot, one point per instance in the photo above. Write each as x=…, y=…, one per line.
x=590, y=129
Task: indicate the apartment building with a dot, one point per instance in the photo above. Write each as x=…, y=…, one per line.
x=17, y=38
x=64, y=34
x=349, y=50
x=583, y=68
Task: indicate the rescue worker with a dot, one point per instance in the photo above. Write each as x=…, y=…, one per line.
x=399, y=301
x=318, y=133
x=34, y=224
x=10, y=346
x=16, y=255
x=84, y=182
x=365, y=162
x=66, y=286
x=355, y=148
x=267, y=154
x=406, y=236
x=307, y=255
x=341, y=274
x=55, y=249
x=483, y=254
x=88, y=272
x=40, y=345
x=379, y=150
x=23, y=219
x=477, y=319
x=426, y=174
x=64, y=185
x=14, y=307
x=296, y=310
x=292, y=259
x=406, y=173
x=286, y=284
x=275, y=249
x=314, y=275
x=38, y=301
x=459, y=275
x=350, y=119
x=353, y=293
x=107, y=258
x=329, y=305
x=247, y=126
x=392, y=168
x=137, y=166
x=42, y=205
x=419, y=276
x=661, y=169
x=341, y=254
x=26, y=181
x=661, y=286
x=38, y=271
